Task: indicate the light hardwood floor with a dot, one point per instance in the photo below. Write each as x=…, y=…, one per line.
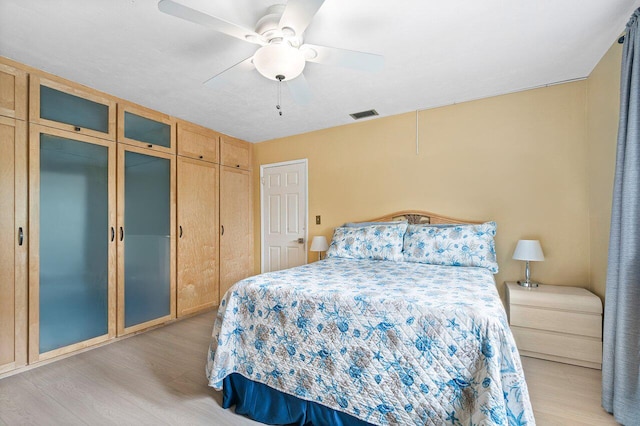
x=158, y=378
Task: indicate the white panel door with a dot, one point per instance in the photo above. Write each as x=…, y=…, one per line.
x=284, y=215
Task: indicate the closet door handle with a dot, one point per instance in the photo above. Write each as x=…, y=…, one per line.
x=113, y=234
x=20, y=236
x=222, y=230
x=180, y=236
x=121, y=233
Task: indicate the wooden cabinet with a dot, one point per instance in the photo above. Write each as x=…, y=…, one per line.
x=236, y=227
x=235, y=153
x=198, y=203
x=146, y=238
x=146, y=128
x=13, y=240
x=557, y=323
x=197, y=142
x=13, y=92
x=71, y=107
x=105, y=231
x=72, y=248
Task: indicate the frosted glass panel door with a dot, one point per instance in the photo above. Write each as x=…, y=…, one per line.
x=66, y=108
x=72, y=108
x=71, y=203
x=146, y=237
x=146, y=130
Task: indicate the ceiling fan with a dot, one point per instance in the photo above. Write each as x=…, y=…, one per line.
x=282, y=55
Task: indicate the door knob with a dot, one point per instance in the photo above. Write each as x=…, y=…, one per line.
x=300, y=240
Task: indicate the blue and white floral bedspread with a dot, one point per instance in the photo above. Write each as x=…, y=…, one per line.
x=387, y=342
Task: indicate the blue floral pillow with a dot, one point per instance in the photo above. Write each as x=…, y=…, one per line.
x=378, y=242
x=452, y=245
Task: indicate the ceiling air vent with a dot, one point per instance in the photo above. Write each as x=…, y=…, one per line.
x=364, y=114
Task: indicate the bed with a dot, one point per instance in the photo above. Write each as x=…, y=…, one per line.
x=401, y=324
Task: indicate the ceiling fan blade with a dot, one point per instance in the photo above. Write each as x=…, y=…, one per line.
x=299, y=89
x=299, y=13
x=229, y=74
x=361, y=61
x=170, y=7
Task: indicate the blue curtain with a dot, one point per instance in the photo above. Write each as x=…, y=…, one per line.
x=621, y=352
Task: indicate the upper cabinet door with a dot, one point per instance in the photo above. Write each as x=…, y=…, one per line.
x=197, y=142
x=146, y=128
x=13, y=92
x=235, y=153
x=70, y=107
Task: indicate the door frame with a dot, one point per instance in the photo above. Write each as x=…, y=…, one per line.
x=306, y=207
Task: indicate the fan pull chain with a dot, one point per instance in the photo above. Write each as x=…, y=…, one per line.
x=279, y=77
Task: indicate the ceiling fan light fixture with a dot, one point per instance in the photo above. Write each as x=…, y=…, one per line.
x=279, y=59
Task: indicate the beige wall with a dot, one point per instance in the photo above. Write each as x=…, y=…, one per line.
x=603, y=106
x=519, y=159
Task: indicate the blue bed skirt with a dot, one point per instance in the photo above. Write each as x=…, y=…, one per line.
x=266, y=405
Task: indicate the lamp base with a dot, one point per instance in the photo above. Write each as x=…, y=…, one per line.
x=528, y=284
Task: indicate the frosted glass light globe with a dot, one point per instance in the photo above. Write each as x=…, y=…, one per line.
x=279, y=59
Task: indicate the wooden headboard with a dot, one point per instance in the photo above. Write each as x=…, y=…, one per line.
x=417, y=217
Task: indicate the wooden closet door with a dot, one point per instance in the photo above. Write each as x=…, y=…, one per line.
x=236, y=233
x=13, y=252
x=198, y=287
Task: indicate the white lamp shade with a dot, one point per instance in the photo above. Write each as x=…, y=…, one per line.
x=319, y=244
x=528, y=250
x=279, y=59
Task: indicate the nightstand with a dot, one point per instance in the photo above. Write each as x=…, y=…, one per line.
x=556, y=323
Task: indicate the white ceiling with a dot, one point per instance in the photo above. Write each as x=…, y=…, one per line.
x=436, y=53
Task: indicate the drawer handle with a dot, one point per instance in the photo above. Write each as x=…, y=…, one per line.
x=20, y=236
x=121, y=233
x=149, y=146
x=180, y=231
x=201, y=157
x=76, y=128
x=237, y=165
x=222, y=230
x=113, y=234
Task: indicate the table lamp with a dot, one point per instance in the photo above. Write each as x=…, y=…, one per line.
x=529, y=251
x=319, y=244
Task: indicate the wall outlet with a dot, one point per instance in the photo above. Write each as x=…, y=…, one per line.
x=318, y=220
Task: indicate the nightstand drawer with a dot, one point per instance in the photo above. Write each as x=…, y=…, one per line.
x=579, y=323
x=587, y=349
